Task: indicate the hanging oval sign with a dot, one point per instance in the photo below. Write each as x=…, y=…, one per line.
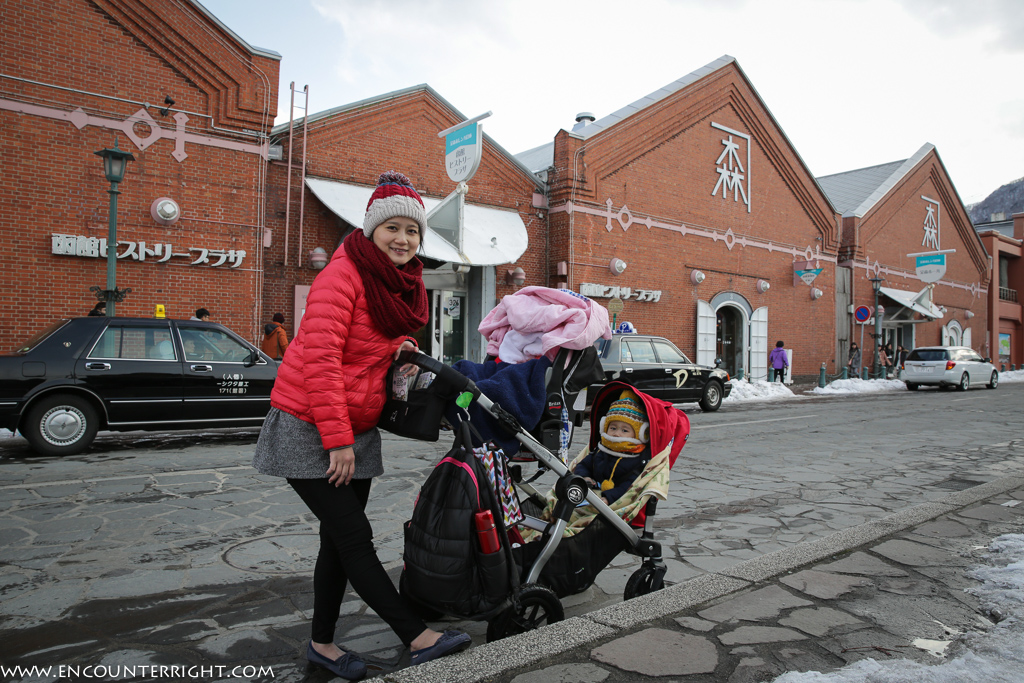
x=931, y=267
x=462, y=151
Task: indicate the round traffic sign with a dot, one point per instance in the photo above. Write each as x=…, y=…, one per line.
x=862, y=313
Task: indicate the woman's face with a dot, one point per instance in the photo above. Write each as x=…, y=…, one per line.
x=399, y=238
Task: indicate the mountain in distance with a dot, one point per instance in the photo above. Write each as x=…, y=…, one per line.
x=1007, y=200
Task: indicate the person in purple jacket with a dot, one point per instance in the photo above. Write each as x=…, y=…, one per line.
x=779, y=361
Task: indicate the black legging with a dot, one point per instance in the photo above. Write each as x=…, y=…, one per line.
x=347, y=554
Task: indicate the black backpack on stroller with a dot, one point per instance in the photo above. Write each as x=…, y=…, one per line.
x=446, y=568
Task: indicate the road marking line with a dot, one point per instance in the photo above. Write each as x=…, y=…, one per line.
x=143, y=475
x=751, y=422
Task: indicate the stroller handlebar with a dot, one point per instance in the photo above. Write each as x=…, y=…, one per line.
x=446, y=374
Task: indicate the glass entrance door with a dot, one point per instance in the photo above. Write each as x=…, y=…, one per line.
x=444, y=335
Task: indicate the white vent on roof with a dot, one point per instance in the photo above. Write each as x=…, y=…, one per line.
x=583, y=119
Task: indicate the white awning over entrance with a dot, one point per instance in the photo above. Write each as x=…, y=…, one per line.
x=921, y=302
x=489, y=237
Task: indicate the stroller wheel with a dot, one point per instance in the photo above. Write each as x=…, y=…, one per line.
x=537, y=605
x=645, y=580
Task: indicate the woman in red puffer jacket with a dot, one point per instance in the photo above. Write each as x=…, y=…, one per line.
x=321, y=431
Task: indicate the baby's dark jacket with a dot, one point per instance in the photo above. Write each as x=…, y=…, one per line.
x=598, y=466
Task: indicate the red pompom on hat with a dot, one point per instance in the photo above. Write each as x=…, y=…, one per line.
x=394, y=196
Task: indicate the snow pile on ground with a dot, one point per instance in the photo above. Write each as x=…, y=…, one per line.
x=859, y=386
x=993, y=657
x=1015, y=376
x=759, y=390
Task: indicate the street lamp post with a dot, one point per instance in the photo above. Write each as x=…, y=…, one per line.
x=876, y=285
x=115, y=161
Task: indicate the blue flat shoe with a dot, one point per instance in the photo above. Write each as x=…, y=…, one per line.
x=347, y=666
x=449, y=643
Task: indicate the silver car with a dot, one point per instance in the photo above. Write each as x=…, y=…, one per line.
x=948, y=366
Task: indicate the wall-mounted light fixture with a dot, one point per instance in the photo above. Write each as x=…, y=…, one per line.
x=617, y=266
x=516, y=276
x=816, y=293
x=168, y=102
x=165, y=211
x=968, y=314
x=318, y=258
x=697, y=277
x=763, y=286
x=461, y=268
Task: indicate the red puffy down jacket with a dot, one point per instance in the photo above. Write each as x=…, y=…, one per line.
x=334, y=370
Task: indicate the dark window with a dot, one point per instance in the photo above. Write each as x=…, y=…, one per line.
x=928, y=354
x=135, y=343
x=637, y=351
x=668, y=353
x=38, y=338
x=203, y=343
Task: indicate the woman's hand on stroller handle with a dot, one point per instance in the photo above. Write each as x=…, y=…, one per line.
x=409, y=369
x=446, y=374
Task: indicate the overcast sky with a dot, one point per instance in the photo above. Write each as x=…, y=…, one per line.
x=853, y=83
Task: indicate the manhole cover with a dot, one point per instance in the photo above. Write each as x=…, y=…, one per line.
x=283, y=554
x=957, y=484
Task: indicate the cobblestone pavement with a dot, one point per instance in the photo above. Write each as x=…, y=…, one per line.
x=169, y=549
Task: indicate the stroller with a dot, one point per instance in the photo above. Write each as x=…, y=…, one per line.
x=560, y=550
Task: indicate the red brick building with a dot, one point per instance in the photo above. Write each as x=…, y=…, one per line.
x=346, y=149
x=191, y=101
x=1006, y=339
x=892, y=213
x=698, y=191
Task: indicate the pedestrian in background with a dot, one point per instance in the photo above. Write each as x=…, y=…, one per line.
x=201, y=314
x=883, y=361
x=855, y=360
x=99, y=309
x=779, y=361
x=275, y=339
x=321, y=432
x=901, y=358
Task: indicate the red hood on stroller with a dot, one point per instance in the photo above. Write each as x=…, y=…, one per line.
x=668, y=425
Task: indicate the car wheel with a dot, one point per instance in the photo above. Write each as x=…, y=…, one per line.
x=712, y=397
x=965, y=382
x=911, y=386
x=62, y=424
x=994, y=382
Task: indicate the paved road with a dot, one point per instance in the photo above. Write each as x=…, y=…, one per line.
x=174, y=551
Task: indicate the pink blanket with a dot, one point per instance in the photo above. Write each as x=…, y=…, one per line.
x=536, y=321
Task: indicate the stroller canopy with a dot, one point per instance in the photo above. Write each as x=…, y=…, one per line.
x=669, y=427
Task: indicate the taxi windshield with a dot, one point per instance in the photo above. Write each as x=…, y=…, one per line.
x=38, y=337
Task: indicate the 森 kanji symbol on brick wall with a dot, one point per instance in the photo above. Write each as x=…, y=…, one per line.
x=733, y=175
x=931, y=225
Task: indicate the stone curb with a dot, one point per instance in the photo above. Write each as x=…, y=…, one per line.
x=491, y=659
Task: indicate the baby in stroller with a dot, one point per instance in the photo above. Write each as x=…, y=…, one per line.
x=623, y=451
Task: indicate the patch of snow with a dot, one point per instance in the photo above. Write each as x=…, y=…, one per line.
x=1012, y=376
x=759, y=390
x=992, y=657
x=859, y=386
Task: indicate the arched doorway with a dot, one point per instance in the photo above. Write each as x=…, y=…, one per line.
x=730, y=338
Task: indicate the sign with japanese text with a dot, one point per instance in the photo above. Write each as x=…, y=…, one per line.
x=930, y=267
x=605, y=292
x=733, y=166
x=160, y=252
x=932, y=218
x=808, y=276
x=462, y=151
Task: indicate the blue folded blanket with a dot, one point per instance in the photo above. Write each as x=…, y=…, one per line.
x=518, y=388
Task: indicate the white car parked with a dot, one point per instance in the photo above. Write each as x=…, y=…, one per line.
x=948, y=366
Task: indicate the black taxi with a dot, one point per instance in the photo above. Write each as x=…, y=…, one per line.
x=655, y=366
x=81, y=375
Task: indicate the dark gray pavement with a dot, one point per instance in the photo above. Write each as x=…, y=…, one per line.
x=169, y=549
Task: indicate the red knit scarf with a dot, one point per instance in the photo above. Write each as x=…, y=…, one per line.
x=396, y=296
